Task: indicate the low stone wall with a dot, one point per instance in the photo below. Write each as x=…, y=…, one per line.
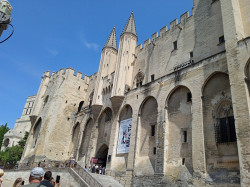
x=11, y=175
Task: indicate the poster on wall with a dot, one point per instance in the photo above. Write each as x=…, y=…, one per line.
x=124, y=136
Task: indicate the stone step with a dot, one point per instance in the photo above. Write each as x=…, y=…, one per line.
x=106, y=181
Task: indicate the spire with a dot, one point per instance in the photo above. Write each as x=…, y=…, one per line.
x=130, y=26
x=111, y=42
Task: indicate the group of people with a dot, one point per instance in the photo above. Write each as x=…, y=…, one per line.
x=98, y=169
x=37, y=178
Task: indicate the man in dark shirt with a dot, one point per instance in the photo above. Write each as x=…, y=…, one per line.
x=47, y=179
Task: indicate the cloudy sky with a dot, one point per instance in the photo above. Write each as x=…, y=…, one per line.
x=55, y=34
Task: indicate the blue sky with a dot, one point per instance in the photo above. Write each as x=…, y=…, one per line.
x=55, y=34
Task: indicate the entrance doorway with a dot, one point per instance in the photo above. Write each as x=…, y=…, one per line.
x=102, y=154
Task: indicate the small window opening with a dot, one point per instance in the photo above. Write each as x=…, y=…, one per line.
x=154, y=150
x=152, y=77
x=189, y=97
x=66, y=101
x=191, y=54
x=175, y=45
x=79, y=87
x=184, y=136
x=221, y=39
x=68, y=119
x=80, y=106
x=153, y=130
x=183, y=161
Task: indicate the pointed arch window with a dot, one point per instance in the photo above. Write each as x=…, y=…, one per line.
x=225, y=127
x=139, y=79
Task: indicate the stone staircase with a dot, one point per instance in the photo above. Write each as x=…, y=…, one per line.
x=86, y=179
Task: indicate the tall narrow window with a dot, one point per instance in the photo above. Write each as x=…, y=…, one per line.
x=221, y=39
x=152, y=77
x=152, y=130
x=184, y=136
x=183, y=161
x=191, y=55
x=175, y=45
x=189, y=97
x=154, y=150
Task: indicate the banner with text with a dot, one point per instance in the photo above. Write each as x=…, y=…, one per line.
x=124, y=136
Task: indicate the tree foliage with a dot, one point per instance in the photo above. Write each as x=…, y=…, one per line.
x=3, y=130
x=22, y=142
x=11, y=155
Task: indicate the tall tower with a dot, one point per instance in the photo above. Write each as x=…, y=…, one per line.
x=106, y=69
x=124, y=69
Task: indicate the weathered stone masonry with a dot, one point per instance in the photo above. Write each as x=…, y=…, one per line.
x=186, y=90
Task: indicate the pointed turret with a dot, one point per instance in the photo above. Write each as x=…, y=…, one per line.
x=123, y=79
x=130, y=26
x=111, y=42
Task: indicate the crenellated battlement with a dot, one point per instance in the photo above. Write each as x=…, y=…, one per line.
x=69, y=72
x=164, y=31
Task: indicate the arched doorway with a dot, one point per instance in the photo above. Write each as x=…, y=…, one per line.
x=102, y=155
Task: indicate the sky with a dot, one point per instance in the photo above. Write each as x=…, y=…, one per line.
x=55, y=34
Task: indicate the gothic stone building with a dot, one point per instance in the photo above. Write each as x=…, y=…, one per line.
x=173, y=111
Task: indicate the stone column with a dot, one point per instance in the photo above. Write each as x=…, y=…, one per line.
x=198, y=145
x=160, y=138
x=236, y=61
x=132, y=149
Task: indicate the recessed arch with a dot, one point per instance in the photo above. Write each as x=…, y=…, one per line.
x=6, y=142
x=126, y=112
x=104, y=127
x=36, y=131
x=148, y=113
x=74, y=138
x=173, y=90
x=210, y=77
x=247, y=69
x=218, y=123
x=86, y=140
x=139, y=79
x=179, y=120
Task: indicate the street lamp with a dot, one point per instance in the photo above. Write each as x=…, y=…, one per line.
x=5, y=17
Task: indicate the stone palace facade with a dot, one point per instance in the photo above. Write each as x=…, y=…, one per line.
x=173, y=111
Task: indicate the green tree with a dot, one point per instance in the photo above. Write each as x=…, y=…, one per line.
x=3, y=130
x=22, y=142
x=11, y=155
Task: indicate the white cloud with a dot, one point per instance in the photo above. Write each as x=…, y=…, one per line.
x=93, y=46
x=53, y=52
x=89, y=45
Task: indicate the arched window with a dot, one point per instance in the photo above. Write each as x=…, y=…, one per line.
x=225, y=127
x=45, y=100
x=139, y=79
